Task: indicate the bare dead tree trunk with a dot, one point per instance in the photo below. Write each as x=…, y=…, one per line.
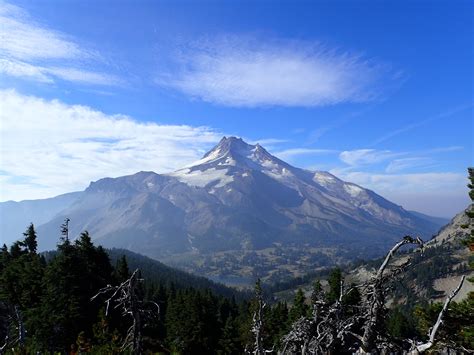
x=377, y=297
x=126, y=297
x=257, y=326
x=20, y=327
x=15, y=321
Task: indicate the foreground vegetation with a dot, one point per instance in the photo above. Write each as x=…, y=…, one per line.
x=47, y=306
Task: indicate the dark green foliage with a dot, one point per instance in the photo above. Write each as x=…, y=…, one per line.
x=335, y=279
x=351, y=300
x=458, y=325
x=77, y=272
x=30, y=242
x=399, y=324
x=230, y=340
x=122, y=272
x=54, y=300
x=158, y=273
x=53, y=295
x=299, y=308
x=469, y=241
x=276, y=325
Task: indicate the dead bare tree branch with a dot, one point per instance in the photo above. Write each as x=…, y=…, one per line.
x=432, y=335
x=126, y=297
x=257, y=322
x=14, y=322
x=377, y=297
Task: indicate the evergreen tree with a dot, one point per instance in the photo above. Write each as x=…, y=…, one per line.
x=230, y=342
x=399, y=325
x=299, y=308
x=122, y=271
x=30, y=239
x=351, y=300
x=334, y=280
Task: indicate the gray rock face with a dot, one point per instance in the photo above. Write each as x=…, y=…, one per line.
x=237, y=197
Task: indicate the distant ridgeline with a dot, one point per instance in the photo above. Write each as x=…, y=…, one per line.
x=155, y=272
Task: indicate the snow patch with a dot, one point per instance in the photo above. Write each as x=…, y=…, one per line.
x=324, y=179
x=228, y=161
x=202, y=178
x=213, y=155
x=352, y=190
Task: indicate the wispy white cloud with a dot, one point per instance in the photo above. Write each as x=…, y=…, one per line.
x=253, y=72
x=294, y=152
x=420, y=123
x=454, y=148
x=85, y=76
x=359, y=157
x=24, y=38
x=316, y=134
x=33, y=51
x=397, y=161
x=24, y=70
x=398, y=165
x=414, y=183
x=48, y=75
x=48, y=147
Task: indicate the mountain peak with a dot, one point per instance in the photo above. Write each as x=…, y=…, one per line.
x=232, y=157
x=229, y=145
x=236, y=152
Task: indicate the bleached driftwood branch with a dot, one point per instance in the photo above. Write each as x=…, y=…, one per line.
x=432, y=335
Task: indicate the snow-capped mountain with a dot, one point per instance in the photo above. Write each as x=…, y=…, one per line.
x=237, y=197
x=233, y=167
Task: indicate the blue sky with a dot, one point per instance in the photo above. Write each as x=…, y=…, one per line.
x=379, y=93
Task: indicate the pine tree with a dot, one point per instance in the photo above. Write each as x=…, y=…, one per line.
x=30, y=239
x=335, y=279
x=229, y=342
x=122, y=271
x=299, y=308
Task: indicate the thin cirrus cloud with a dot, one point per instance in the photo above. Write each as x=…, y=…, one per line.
x=409, y=183
x=399, y=161
x=360, y=157
x=416, y=124
x=289, y=154
x=403, y=164
x=243, y=72
x=32, y=51
x=45, y=141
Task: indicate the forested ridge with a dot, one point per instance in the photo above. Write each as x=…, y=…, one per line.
x=84, y=299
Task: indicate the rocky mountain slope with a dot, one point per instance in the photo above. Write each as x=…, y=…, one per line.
x=436, y=272
x=431, y=276
x=237, y=201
